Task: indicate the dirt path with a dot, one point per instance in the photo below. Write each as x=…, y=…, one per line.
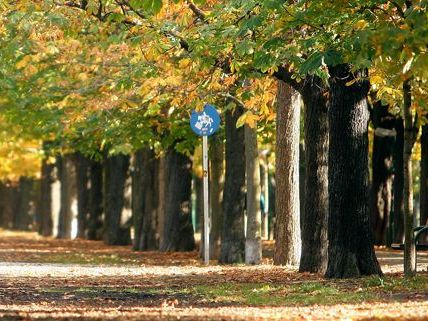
x=48, y=279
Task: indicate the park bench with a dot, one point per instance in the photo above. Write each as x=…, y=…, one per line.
x=418, y=231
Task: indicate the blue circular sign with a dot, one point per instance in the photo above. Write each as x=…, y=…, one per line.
x=206, y=122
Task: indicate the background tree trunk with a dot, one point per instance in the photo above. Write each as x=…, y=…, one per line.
x=233, y=236
x=67, y=177
x=144, y=200
x=95, y=223
x=24, y=194
x=350, y=252
x=8, y=195
x=161, y=192
x=116, y=171
x=253, y=241
x=409, y=140
x=264, y=180
x=382, y=171
x=287, y=224
x=424, y=176
x=178, y=231
x=315, y=214
x=398, y=185
x=216, y=194
x=82, y=167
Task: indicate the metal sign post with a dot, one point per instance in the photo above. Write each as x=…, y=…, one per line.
x=205, y=123
x=206, y=201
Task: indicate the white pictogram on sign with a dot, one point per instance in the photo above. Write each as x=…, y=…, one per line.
x=204, y=121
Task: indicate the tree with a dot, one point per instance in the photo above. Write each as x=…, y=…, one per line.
x=424, y=176
x=287, y=207
x=350, y=251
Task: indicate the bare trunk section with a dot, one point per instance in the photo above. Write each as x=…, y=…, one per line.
x=116, y=231
x=67, y=178
x=398, y=185
x=8, y=194
x=178, y=231
x=144, y=200
x=161, y=192
x=410, y=134
x=382, y=171
x=287, y=225
x=350, y=252
x=424, y=177
x=264, y=204
x=95, y=223
x=233, y=236
x=82, y=167
x=22, y=217
x=216, y=194
x=315, y=215
x=253, y=241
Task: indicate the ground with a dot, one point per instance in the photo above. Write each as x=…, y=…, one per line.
x=48, y=279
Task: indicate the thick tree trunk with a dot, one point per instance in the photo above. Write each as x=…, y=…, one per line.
x=216, y=194
x=144, y=200
x=398, y=185
x=178, y=231
x=315, y=214
x=95, y=223
x=45, y=210
x=409, y=141
x=424, y=177
x=22, y=218
x=233, y=236
x=382, y=171
x=82, y=165
x=66, y=174
x=287, y=224
x=350, y=251
x=116, y=232
x=253, y=241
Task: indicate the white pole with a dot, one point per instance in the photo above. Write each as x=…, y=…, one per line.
x=206, y=201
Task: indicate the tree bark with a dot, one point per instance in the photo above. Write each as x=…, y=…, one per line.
x=116, y=232
x=409, y=140
x=67, y=179
x=264, y=180
x=161, y=192
x=287, y=225
x=22, y=219
x=233, y=236
x=253, y=241
x=398, y=185
x=315, y=215
x=178, y=231
x=216, y=194
x=144, y=200
x=350, y=252
x=45, y=209
x=95, y=223
x=8, y=195
x=82, y=167
x=382, y=171
x=424, y=177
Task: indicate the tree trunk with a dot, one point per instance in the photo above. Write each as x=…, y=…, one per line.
x=67, y=178
x=382, y=171
x=116, y=232
x=424, y=177
x=233, y=236
x=216, y=194
x=287, y=225
x=22, y=219
x=95, y=223
x=315, y=215
x=178, y=231
x=161, y=192
x=350, y=251
x=264, y=204
x=82, y=167
x=8, y=195
x=253, y=241
x=45, y=210
x=144, y=200
x=409, y=141
x=398, y=185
